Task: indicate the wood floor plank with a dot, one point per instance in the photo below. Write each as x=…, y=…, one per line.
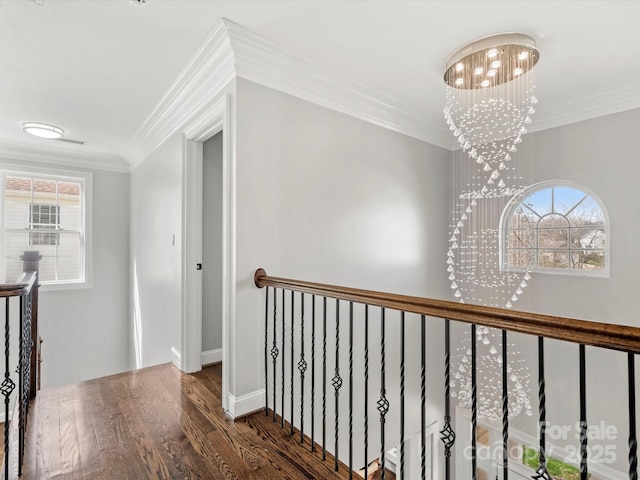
x=157, y=423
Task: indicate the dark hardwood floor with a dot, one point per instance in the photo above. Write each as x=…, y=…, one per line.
x=157, y=423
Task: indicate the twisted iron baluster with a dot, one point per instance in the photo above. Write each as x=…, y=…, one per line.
x=313, y=372
x=402, y=325
x=383, y=403
x=505, y=410
x=350, y=390
x=324, y=378
x=633, y=442
x=6, y=388
x=541, y=473
x=302, y=367
x=21, y=419
x=274, y=351
x=447, y=435
x=423, y=400
x=337, y=383
x=266, y=353
x=366, y=390
x=291, y=360
x=283, y=359
x=474, y=405
x=584, y=471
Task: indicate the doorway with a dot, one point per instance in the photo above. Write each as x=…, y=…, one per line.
x=212, y=198
x=216, y=119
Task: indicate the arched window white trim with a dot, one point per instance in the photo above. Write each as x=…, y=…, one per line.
x=557, y=227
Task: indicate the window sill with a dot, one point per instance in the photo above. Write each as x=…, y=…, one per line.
x=53, y=287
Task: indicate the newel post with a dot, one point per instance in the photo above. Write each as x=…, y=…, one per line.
x=31, y=263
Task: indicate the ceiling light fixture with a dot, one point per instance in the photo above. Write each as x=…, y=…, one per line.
x=43, y=130
x=514, y=51
x=490, y=102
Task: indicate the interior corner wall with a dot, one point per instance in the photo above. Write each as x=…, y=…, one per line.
x=600, y=154
x=85, y=331
x=155, y=261
x=325, y=197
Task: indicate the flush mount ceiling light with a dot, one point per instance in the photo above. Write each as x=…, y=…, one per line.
x=491, y=61
x=43, y=130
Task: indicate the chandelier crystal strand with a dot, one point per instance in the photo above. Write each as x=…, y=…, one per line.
x=490, y=103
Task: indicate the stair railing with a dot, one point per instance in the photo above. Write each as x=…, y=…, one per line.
x=281, y=345
x=20, y=307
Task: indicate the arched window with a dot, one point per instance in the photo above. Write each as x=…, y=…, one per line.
x=557, y=227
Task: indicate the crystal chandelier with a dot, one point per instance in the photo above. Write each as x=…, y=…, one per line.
x=489, y=374
x=490, y=103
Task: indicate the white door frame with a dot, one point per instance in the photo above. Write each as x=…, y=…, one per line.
x=200, y=129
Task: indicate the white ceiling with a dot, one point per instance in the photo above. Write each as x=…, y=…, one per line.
x=97, y=68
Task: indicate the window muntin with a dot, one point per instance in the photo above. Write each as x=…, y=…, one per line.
x=44, y=213
x=555, y=227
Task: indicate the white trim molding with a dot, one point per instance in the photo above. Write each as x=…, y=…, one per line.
x=263, y=61
x=176, y=357
x=203, y=126
x=232, y=51
x=584, y=105
x=57, y=156
x=211, y=356
x=245, y=404
x=202, y=80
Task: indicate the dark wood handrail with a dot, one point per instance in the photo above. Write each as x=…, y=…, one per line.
x=22, y=286
x=597, y=334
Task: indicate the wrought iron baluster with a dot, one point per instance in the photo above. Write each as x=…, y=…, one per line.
x=350, y=390
x=542, y=472
x=7, y=387
x=266, y=353
x=474, y=404
x=324, y=378
x=584, y=469
x=291, y=359
x=505, y=410
x=423, y=400
x=633, y=441
x=366, y=390
x=302, y=367
x=383, y=403
x=283, y=358
x=447, y=435
x=274, y=350
x=402, y=331
x=337, y=383
x=313, y=372
x=21, y=418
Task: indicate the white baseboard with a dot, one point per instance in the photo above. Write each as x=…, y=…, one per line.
x=245, y=404
x=211, y=356
x=176, y=357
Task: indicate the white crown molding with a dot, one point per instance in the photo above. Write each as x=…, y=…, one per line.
x=233, y=51
x=262, y=61
x=54, y=155
x=204, y=77
x=587, y=104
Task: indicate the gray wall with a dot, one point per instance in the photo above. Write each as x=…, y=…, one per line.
x=85, y=331
x=325, y=197
x=156, y=215
x=212, y=244
x=600, y=154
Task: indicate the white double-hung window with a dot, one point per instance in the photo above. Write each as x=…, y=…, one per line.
x=46, y=213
